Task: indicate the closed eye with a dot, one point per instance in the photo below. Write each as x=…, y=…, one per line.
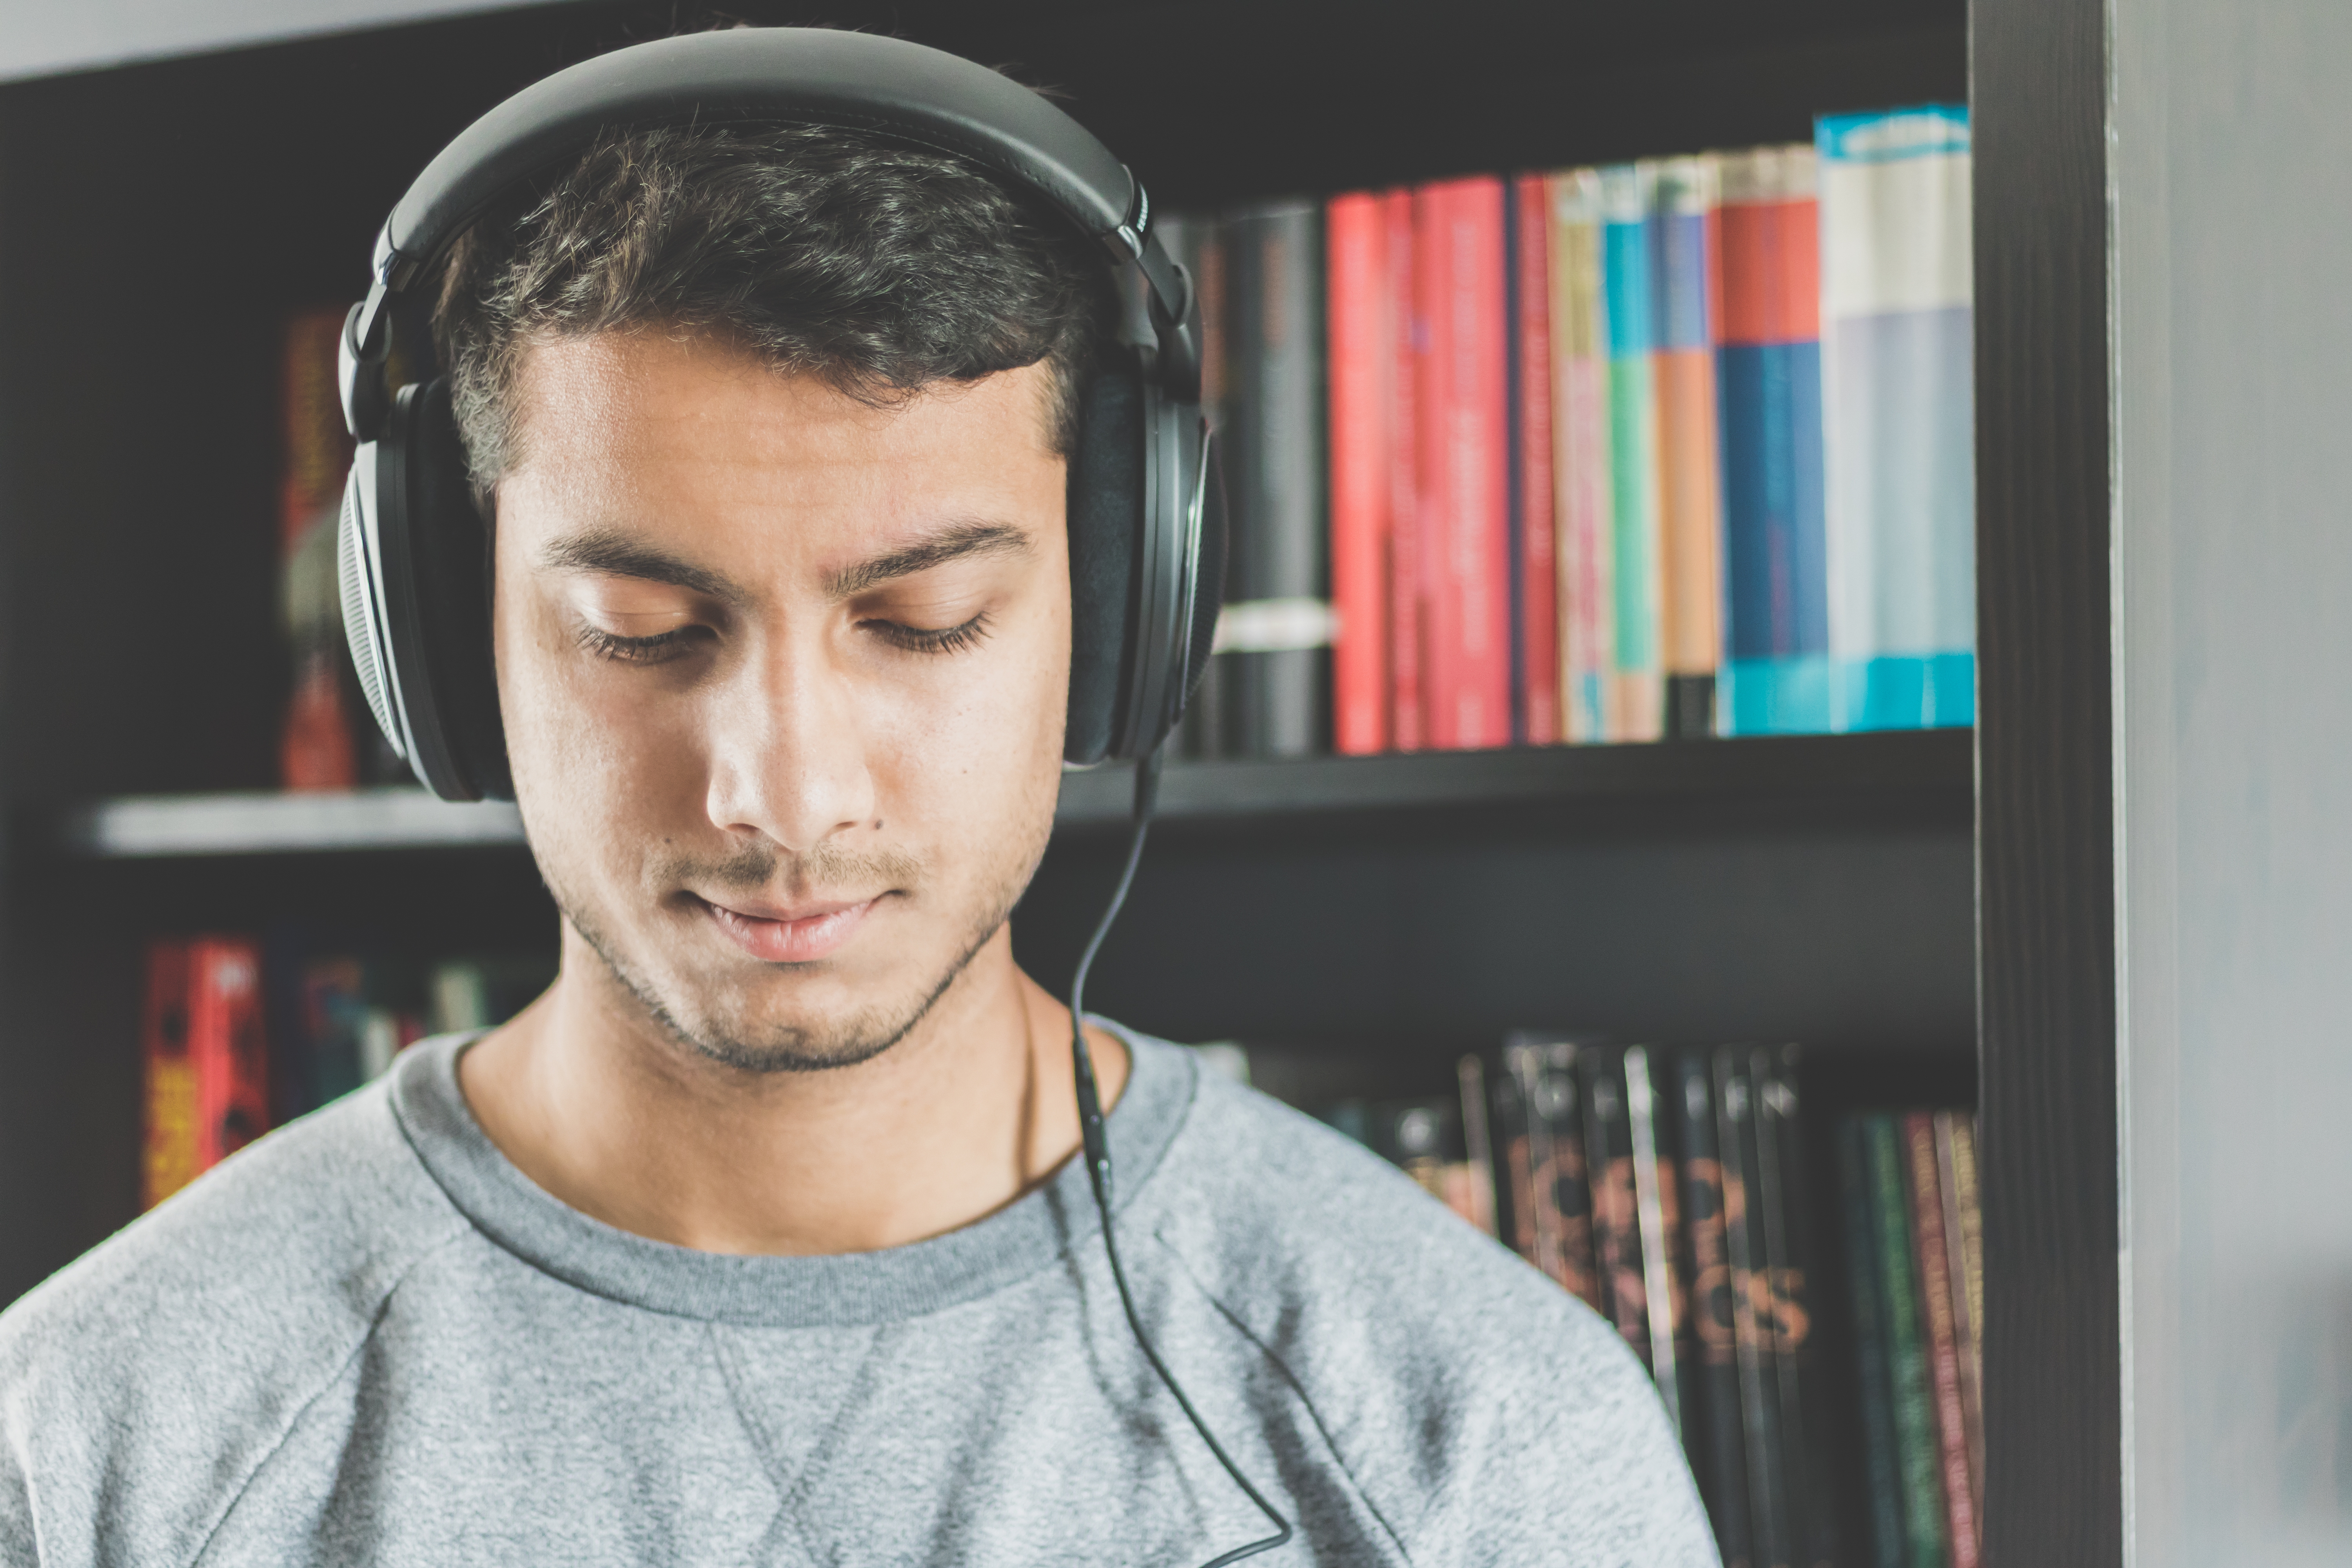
x=927, y=639
x=658, y=650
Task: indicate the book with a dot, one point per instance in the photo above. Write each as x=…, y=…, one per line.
x=1956, y=1171
x=1941, y=1338
x=1759, y=1407
x=226, y=1051
x=1775, y=677
x=1477, y=1146
x=1584, y=495
x=1657, y=1225
x=1711, y=1432
x=1637, y=700
x=1784, y=1202
x=1555, y=1232
x=1609, y=1167
x=1898, y=401
x=1408, y=715
x=316, y=747
x=172, y=1156
x=1360, y=304
x=1461, y=398
x=1535, y=638
x=1275, y=632
x=1910, y=1399
x=1881, y=1481
x=1689, y=496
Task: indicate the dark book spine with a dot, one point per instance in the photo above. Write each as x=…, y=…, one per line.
x=1915, y=1451
x=1558, y=1223
x=1477, y=1145
x=1883, y=1484
x=1656, y=1224
x=1609, y=1165
x=1278, y=622
x=1789, y=1253
x=1711, y=1432
x=1514, y=1157
x=1759, y=1404
x=1941, y=1337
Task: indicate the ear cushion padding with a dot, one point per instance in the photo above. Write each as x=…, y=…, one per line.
x=437, y=600
x=1105, y=524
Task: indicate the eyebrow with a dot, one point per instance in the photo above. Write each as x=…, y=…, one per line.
x=621, y=556
x=953, y=542
x=618, y=556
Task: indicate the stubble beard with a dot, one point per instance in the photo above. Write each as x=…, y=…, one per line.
x=788, y=1047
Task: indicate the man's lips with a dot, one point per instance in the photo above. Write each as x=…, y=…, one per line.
x=798, y=934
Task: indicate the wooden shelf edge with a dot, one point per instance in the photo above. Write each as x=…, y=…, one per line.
x=1933, y=769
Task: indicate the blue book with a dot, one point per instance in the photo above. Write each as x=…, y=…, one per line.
x=1776, y=655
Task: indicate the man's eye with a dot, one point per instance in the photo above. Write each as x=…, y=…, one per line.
x=925, y=639
x=659, y=650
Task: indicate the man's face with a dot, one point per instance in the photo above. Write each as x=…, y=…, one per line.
x=784, y=678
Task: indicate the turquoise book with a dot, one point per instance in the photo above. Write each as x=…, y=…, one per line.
x=1638, y=599
x=1897, y=439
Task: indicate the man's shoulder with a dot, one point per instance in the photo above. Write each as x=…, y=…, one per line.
x=1462, y=1389
x=262, y=1275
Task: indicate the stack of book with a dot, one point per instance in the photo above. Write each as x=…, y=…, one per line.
x=1677, y=446
x=1671, y=1190
x=242, y=1035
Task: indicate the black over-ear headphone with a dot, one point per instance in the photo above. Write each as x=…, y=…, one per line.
x=1147, y=523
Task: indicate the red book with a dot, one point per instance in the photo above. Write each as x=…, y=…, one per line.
x=171, y=1157
x=1460, y=404
x=1538, y=566
x=1362, y=358
x=1407, y=729
x=1942, y=1337
x=226, y=1046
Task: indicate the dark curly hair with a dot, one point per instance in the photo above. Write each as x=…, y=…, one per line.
x=879, y=267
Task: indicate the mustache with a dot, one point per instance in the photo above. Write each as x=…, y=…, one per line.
x=828, y=867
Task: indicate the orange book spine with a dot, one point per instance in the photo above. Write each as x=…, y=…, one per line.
x=1361, y=359
x=171, y=1157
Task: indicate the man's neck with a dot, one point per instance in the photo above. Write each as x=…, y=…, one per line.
x=593, y=1102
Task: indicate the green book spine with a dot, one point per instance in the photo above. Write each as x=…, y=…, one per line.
x=1915, y=1450
x=1885, y=1495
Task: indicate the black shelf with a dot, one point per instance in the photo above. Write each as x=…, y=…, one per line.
x=1920, y=777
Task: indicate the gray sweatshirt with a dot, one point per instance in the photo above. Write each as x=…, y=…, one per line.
x=369, y=1339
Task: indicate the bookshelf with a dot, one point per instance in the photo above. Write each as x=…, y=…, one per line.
x=1932, y=910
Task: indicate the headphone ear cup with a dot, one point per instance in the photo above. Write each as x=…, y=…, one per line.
x=1106, y=528
x=431, y=630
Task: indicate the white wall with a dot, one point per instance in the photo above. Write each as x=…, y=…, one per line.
x=41, y=37
x=2232, y=272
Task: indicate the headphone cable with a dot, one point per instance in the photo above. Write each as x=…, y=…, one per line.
x=1096, y=1146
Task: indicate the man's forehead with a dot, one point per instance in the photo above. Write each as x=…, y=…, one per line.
x=614, y=389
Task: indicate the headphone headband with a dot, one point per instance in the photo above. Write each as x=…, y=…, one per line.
x=903, y=91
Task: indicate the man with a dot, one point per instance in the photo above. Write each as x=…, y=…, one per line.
x=759, y=1238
